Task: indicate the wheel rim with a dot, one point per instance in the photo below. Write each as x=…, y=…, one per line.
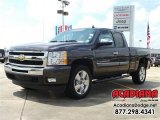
x=142, y=74
x=81, y=82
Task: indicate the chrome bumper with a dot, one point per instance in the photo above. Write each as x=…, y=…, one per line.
x=23, y=70
x=2, y=58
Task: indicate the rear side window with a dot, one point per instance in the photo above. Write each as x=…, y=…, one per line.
x=119, y=40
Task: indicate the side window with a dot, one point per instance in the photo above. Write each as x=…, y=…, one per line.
x=106, y=36
x=119, y=40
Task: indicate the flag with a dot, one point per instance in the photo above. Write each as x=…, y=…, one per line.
x=68, y=27
x=59, y=29
x=148, y=36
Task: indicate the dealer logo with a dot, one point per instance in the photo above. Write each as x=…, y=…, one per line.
x=135, y=94
x=21, y=57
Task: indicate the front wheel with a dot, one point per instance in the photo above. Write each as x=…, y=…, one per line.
x=139, y=76
x=80, y=82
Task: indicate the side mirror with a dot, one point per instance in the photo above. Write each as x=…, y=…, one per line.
x=105, y=41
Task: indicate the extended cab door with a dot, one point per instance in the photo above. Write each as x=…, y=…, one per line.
x=106, y=54
x=123, y=52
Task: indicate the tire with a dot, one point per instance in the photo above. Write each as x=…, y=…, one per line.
x=139, y=76
x=79, y=84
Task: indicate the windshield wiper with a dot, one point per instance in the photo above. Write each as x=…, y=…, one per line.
x=64, y=41
x=69, y=41
x=54, y=41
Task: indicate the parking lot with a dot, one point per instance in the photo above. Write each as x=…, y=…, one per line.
x=19, y=104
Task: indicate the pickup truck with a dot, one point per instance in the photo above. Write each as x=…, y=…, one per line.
x=2, y=55
x=76, y=58
x=157, y=61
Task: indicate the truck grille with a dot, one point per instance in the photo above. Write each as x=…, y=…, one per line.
x=28, y=58
x=26, y=62
x=28, y=54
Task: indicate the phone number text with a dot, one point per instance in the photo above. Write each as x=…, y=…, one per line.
x=134, y=111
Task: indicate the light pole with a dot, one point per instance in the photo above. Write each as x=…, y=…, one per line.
x=43, y=28
x=64, y=13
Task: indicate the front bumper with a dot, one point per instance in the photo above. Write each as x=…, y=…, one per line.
x=23, y=70
x=1, y=58
x=37, y=78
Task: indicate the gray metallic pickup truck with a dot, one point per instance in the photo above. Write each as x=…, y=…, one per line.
x=2, y=55
x=75, y=59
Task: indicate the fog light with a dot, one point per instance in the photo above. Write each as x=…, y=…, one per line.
x=51, y=79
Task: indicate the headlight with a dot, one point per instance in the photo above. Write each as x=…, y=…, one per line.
x=57, y=58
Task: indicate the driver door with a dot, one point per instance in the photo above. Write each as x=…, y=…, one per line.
x=106, y=55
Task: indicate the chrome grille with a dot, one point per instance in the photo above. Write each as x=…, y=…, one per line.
x=28, y=58
x=27, y=53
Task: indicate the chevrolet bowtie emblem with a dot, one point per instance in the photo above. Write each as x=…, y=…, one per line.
x=21, y=57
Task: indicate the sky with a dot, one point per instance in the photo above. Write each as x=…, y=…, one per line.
x=30, y=21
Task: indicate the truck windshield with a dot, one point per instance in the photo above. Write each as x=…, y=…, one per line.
x=76, y=35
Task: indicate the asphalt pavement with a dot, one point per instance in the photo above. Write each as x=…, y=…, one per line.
x=17, y=103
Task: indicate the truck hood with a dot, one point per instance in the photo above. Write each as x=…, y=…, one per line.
x=44, y=46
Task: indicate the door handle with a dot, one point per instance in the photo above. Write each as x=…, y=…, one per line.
x=115, y=53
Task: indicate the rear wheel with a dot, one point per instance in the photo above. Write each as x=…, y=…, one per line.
x=140, y=75
x=80, y=82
